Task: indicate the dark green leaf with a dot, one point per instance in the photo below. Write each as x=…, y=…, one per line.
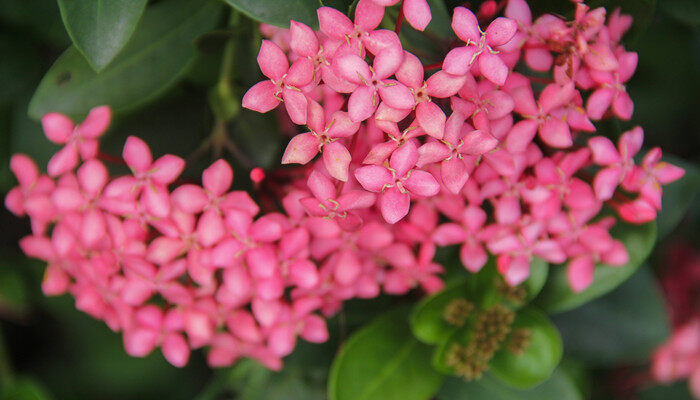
x=279, y=12
x=24, y=389
x=557, y=296
x=155, y=58
x=559, y=386
x=13, y=292
x=100, y=28
x=678, y=196
x=539, y=269
x=384, y=361
x=539, y=358
x=624, y=326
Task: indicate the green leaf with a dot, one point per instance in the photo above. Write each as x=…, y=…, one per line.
x=557, y=296
x=155, y=58
x=537, y=361
x=622, y=327
x=100, y=28
x=384, y=361
x=678, y=196
x=24, y=389
x=427, y=319
x=675, y=391
x=539, y=269
x=279, y=12
x=559, y=386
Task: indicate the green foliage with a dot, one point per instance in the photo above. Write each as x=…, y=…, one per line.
x=678, y=196
x=557, y=296
x=622, y=327
x=559, y=386
x=279, y=12
x=156, y=58
x=538, y=359
x=24, y=389
x=384, y=361
x=100, y=28
x=427, y=320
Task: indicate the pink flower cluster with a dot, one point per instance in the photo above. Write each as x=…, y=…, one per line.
x=468, y=156
x=487, y=155
x=679, y=357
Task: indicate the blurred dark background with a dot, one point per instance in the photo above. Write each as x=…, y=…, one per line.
x=64, y=354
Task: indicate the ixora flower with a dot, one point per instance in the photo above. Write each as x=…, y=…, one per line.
x=479, y=154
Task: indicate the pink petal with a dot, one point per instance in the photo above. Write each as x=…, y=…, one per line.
x=465, y=25
x=556, y=133
x=623, y=106
x=272, y=60
x=393, y=204
x=521, y=135
x=96, y=122
x=417, y=13
x=189, y=198
x=374, y=177
x=353, y=68
x=579, y=273
x=337, y=159
x=431, y=118
x=368, y=15
x=459, y=60
x=301, y=149
x=63, y=161
x=599, y=102
x=442, y=84
x=493, y=68
x=422, y=183
x=137, y=154
x=93, y=177
x=501, y=31
x=167, y=168
x=334, y=23
x=302, y=40
x=217, y=179
x=404, y=158
x=261, y=97
x=362, y=103
x=296, y=104
x=454, y=174
x=57, y=127
x=411, y=72
x=605, y=183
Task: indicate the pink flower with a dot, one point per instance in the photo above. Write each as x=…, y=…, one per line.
x=326, y=137
x=80, y=141
x=372, y=82
x=481, y=47
x=611, y=91
x=618, y=163
x=150, y=179
x=417, y=12
x=397, y=182
x=285, y=83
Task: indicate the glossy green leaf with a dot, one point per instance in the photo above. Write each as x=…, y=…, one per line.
x=100, y=28
x=154, y=59
x=537, y=361
x=678, y=196
x=427, y=319
x=384, y=361
x=557, y=296
x=539, y=270
x=279, y=12
x=622, y=327
x=559, y=386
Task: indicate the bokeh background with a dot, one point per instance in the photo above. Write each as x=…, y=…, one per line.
x=50, y=350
